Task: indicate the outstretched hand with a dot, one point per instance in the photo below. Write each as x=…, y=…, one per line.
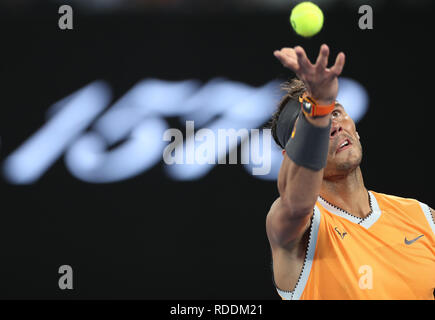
x=321, y=82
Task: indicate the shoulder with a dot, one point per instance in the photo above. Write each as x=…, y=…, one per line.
x=391, y=197
x=394, y=201
x=397, y=199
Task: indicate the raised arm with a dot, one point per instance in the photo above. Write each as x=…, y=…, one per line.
x=298, y=185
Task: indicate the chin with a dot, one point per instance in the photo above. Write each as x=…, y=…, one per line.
x=343, y=167
x=347, y=167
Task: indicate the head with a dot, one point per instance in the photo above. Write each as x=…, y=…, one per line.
x=345, y=150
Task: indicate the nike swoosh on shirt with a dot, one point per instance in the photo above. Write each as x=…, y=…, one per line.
x=408, y=242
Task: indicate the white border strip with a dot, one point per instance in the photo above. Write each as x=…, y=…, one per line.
x=286, y=295
x=338, y=212
x=306, y=268
x=374, y=216
x=428, y=215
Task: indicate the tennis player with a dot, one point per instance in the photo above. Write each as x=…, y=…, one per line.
x=331, y=237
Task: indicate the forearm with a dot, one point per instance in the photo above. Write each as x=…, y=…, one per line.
x=299, y=186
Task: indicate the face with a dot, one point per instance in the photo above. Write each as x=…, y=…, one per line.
x=345, y=150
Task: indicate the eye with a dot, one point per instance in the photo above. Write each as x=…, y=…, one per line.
x=336, y=113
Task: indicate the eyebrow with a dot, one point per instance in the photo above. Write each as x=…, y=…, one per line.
x=337, y=104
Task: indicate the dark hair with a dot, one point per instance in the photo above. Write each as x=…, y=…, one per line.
x=293, y=89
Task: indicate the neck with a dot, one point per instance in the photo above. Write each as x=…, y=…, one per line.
x=348, y=193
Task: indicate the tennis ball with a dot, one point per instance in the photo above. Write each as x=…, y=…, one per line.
x=306, y=19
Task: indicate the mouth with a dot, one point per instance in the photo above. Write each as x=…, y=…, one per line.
x=343, y=145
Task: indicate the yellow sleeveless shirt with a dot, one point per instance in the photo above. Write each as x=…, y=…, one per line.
x=390, y=254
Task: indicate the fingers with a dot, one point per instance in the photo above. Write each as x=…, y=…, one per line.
x=322, y=58
x=296, y=59
x=289, y=52
x=337, y=68
x=303, y=60
x=288, y=58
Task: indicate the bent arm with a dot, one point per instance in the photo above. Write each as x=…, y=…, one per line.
x=299, y=188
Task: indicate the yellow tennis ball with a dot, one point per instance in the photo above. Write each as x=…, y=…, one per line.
x=306, y=19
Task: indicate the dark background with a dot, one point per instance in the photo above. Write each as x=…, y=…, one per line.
x=151, y=237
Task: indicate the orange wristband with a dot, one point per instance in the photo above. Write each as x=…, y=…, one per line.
x=312, y=109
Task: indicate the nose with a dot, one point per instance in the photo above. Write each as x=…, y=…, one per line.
x=335, y=130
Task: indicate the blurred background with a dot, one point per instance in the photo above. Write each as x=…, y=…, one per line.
x=84, y=111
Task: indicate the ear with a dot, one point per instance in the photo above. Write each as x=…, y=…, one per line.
x=283, y=152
